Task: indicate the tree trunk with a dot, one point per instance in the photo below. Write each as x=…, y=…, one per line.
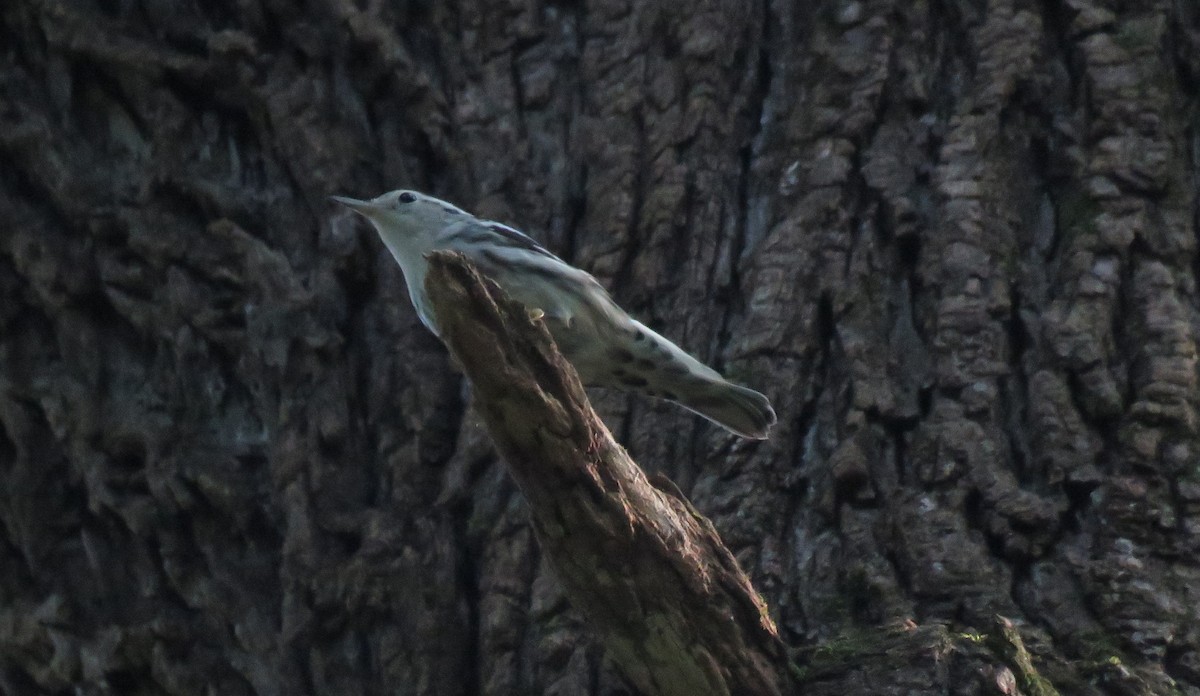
x=954, y=243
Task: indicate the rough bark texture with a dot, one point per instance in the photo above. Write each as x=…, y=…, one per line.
x=955, y=243
x=651, y=575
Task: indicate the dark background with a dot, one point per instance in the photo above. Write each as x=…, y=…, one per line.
x=955, y=242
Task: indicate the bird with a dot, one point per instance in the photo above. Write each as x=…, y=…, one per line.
x=606, y=346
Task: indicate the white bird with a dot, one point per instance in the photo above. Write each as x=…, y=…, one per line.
x=607, y=347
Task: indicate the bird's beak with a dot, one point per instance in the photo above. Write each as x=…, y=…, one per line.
x=352, y=203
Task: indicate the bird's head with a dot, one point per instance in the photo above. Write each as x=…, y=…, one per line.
x=404, y=212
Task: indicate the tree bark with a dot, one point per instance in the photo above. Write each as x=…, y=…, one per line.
x=955, y=243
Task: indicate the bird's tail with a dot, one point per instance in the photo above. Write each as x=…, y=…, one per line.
x=630, y=356
x=672, y=374
x=738, y=409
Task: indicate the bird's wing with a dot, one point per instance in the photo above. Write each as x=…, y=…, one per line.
x=517, y=239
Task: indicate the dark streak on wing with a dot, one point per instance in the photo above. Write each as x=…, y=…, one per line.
x=476, y=236
x=518, y=239
x=533, y=269
x=548, y=276
x=585, y=289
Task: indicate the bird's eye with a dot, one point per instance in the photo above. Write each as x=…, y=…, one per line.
x=406, y=197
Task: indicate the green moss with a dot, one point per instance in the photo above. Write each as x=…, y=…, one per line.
x=894, y=647
x=1006, y=642
x=1099, y=648
x=1104, y=661
x=900, y=647
x=837, y=653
